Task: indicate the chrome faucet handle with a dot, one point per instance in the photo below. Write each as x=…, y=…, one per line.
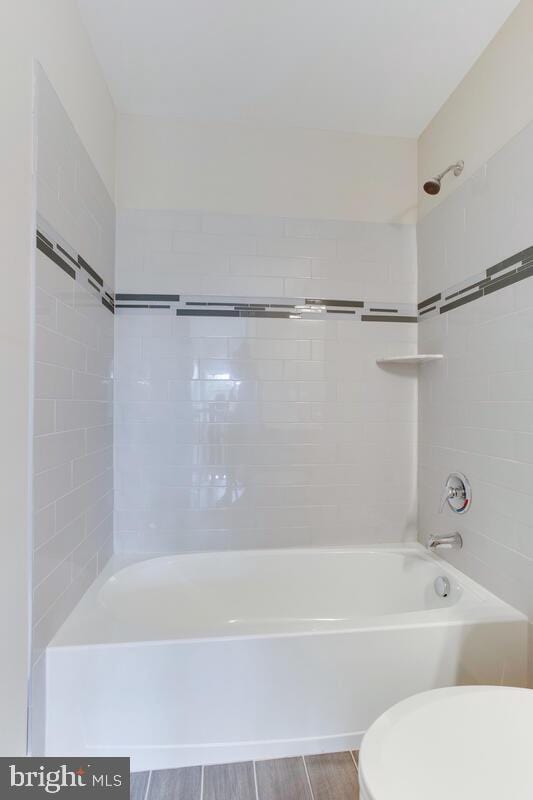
x=456, y=493
x=451, y=493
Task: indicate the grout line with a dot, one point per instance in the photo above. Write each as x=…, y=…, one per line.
x=148, y=785
x=255, y=782
x=308, y=779
x=202, y=783
x=69, y=555
x=72, y=582
x=354, y=762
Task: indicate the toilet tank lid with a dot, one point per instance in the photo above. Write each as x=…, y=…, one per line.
x=464, y=743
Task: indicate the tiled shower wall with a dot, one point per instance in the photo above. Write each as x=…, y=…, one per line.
x=254, y=256
x=256, y=432
x=476, y=406
x=73, y=405
x=73, y=445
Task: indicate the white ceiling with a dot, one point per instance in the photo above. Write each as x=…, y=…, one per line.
x=371, y=66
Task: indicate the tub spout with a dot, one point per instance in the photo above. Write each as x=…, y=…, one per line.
x=452, y=542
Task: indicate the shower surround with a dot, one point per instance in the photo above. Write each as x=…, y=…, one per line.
x=476, y=405
x=72, y=382
x=244, y=420
x=74, y=342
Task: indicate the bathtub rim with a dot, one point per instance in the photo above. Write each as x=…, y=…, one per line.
x=485, y=608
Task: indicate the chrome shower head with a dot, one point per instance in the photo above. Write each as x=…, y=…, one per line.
x=433, y=185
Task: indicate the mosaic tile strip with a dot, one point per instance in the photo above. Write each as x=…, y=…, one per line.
x=73, y=264
x=274, y=308
x=515, y=268
x=511, y=270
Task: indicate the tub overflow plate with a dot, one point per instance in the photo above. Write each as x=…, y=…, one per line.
x=442, y=586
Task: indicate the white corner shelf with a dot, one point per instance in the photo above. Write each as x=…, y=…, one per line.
x=421, y=359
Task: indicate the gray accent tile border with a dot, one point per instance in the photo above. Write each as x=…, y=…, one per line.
x=433, y=299
x=384, y=318
x=508, y=279
x=267, y=314
x=66, y=254
x=149, y=297
x=426, y=311
x=108, y=305
x=523, y=255
x=142, y=305
x=461, y=301
x=53, y=256
x=273, y=308
x=340, y=303
x=47, y=241
x=202, y=312
x=470, y=287
x=73, y=264
x=93, y=284
x=90, y=271
x=511, y=270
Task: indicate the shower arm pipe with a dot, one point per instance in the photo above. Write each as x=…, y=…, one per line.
x=457, y=169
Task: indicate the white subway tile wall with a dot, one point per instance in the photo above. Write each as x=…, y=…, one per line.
x=73, y=393
x=237, y=433
x=476, y=406
x=73, y=448
x=71, y=196
x=216, y=254
x=485, y=220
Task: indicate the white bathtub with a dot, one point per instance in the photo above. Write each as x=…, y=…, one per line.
x=207, y=658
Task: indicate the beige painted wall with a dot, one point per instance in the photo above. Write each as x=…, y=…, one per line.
x=239, y=168
x=492, y=104
x=51, y=32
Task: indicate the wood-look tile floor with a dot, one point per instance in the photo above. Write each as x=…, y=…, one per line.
x=331, y=776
